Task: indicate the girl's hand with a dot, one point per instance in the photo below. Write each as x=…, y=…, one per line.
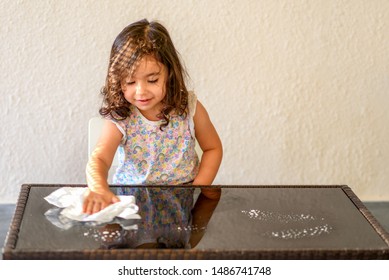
x=96, y=201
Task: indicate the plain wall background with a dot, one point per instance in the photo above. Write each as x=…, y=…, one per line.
x=298, y=90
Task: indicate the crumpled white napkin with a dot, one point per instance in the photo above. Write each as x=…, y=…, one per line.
x=71, y=200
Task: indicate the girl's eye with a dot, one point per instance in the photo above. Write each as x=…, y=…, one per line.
x=130, y=83
x=153, y=81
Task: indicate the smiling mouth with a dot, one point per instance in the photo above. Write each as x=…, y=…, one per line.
x=143, y=100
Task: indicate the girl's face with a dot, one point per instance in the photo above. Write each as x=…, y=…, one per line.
x=147, y=87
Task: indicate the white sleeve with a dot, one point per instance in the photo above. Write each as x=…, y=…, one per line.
x=121, y=126
x=192, y=102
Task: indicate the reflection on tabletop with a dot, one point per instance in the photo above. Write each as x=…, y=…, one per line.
x=168, y=219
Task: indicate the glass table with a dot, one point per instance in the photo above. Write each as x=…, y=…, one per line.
x=180, y=222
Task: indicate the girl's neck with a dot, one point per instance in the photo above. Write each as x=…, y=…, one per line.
x=151, y=115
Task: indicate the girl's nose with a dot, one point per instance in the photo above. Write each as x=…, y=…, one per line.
x=140, y=88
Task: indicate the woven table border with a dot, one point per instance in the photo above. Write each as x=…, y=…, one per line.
x=9, y=251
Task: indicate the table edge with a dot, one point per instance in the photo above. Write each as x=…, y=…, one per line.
x=11, y=239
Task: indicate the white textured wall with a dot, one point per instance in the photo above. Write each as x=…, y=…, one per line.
x=298, y=90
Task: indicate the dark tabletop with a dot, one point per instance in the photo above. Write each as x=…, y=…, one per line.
x=244, y=219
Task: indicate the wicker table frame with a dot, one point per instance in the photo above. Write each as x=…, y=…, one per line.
x=9, y=251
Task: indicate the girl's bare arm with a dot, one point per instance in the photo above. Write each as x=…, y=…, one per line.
x=210, y=144
x=98, y=195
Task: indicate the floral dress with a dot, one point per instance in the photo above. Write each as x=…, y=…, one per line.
x=151, y=156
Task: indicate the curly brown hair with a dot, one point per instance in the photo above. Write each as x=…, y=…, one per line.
x=134, y=42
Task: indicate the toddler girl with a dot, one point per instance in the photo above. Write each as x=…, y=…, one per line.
x=151, y=118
